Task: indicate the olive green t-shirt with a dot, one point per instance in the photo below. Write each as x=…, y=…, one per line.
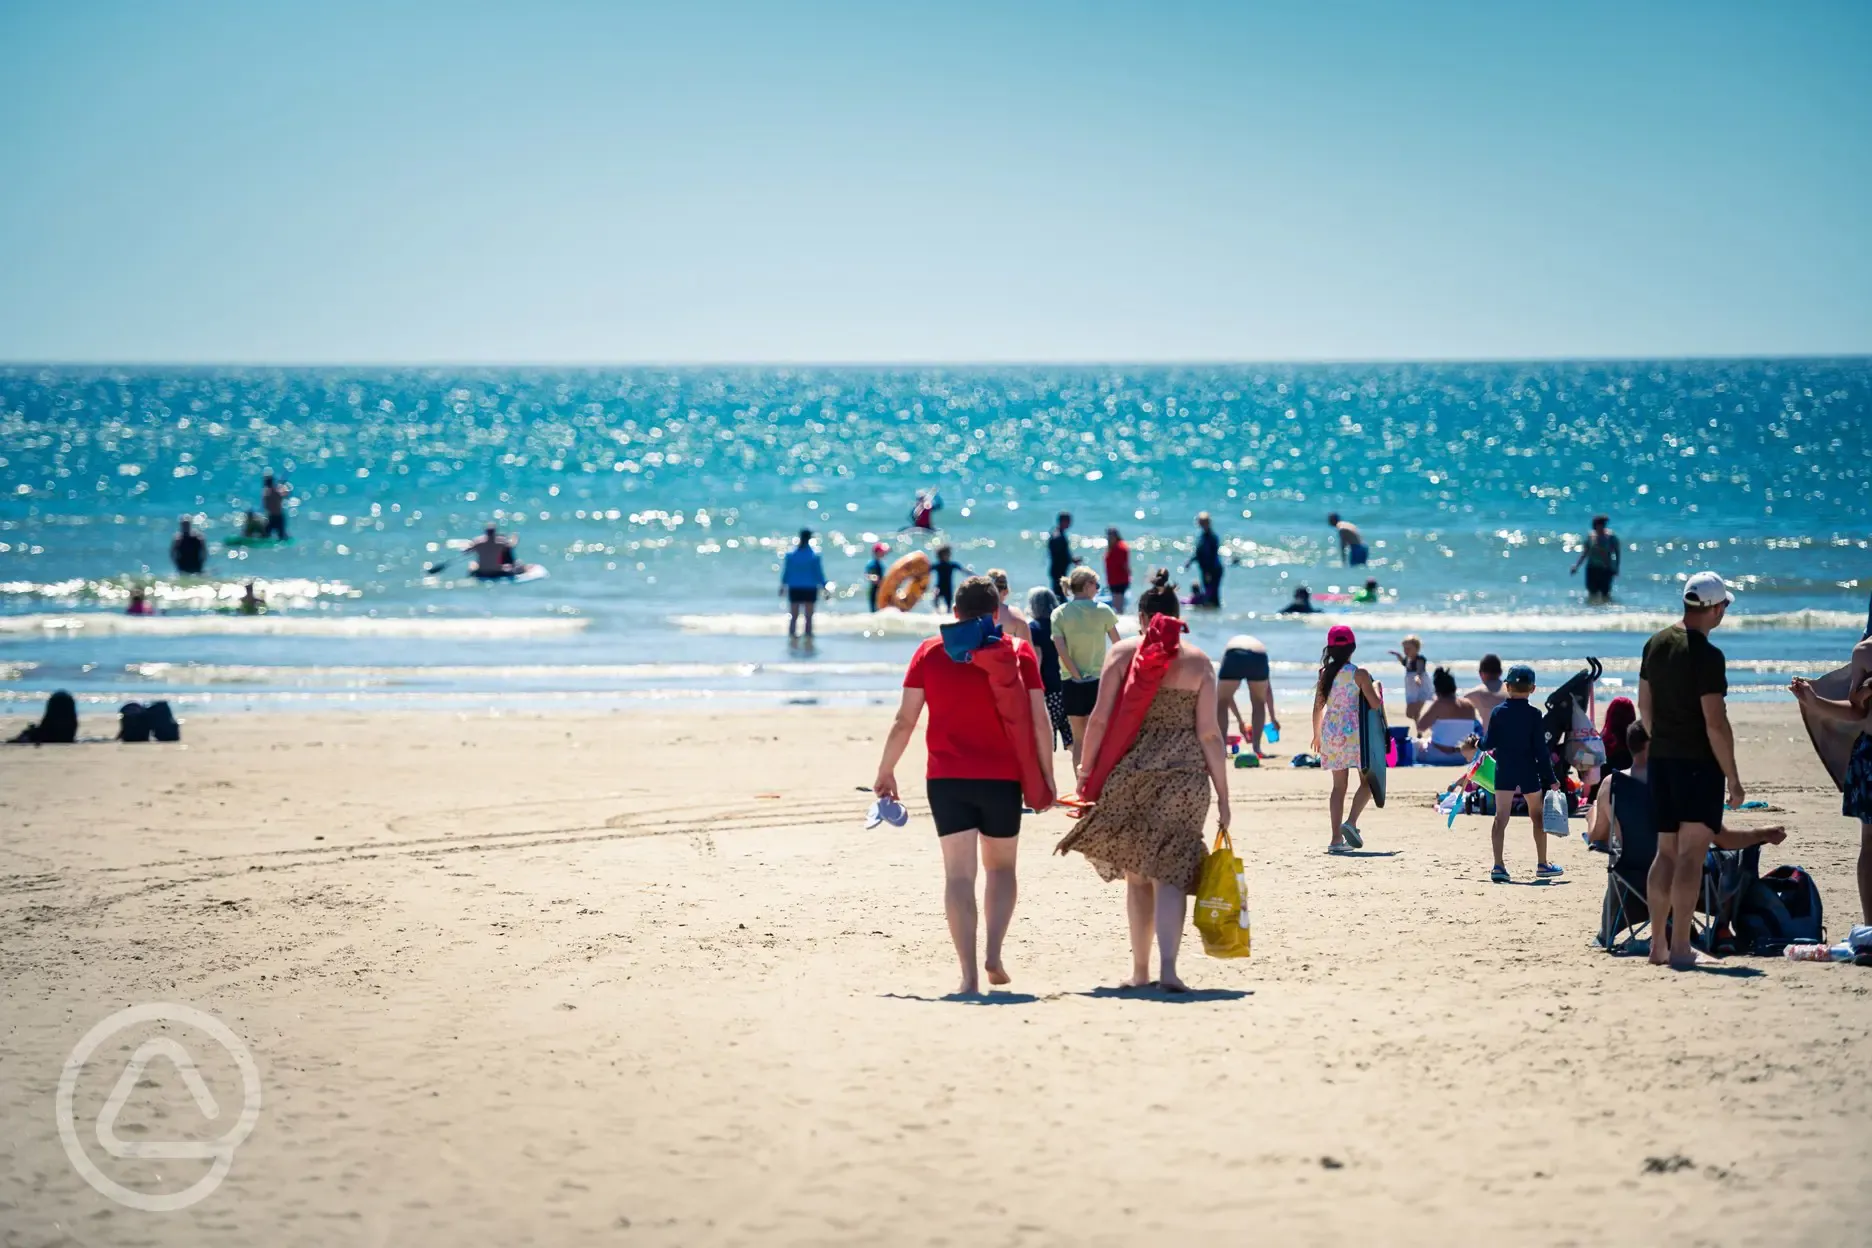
x=1082, y=629
x=1682, y=667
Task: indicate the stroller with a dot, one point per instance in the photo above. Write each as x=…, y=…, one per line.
x=1625, y=915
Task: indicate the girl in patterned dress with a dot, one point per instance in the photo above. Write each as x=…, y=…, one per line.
x=1337, y=703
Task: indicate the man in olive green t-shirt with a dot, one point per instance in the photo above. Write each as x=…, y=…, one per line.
x=1682, y=683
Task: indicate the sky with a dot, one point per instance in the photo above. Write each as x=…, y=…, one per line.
x=558, y=182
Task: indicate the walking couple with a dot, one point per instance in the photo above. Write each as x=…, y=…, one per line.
x=1151, y=755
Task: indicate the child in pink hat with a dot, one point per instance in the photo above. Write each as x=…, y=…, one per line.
x=1338, y=698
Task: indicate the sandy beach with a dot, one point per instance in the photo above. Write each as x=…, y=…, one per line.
x=645, y=979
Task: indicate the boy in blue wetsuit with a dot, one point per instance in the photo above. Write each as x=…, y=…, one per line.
x=944, y=570
x=1523, y=767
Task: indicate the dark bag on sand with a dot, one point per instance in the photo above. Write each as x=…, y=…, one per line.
x=1760, y=914
x=155, y=722
x=1789, y=895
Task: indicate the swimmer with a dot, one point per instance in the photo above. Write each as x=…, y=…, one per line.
x=1369, y=594
x=1351, y=542
x=189, y=552
x=251, y=602
x=1302, y=603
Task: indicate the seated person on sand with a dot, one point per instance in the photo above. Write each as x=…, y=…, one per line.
x=1628, y=798
x=59, y=726
x=1446, y=721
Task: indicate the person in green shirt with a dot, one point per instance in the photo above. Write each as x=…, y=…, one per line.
x=1082, y=629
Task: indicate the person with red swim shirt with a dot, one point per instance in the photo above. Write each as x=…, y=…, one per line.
x=975, y=769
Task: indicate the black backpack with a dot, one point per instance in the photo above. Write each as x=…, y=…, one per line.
x=1760, y=914
x=155, y=722
x=1789, y=895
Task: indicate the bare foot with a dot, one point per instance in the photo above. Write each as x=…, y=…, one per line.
x=1170, y=983
x=1141, y=979
x=1659, y=954
x=970, y=988
x=1691, y=960
x=998, y=975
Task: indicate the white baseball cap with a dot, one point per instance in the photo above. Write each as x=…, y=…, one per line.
x=1706, y=589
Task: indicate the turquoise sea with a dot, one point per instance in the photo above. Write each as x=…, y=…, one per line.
x=661, y=499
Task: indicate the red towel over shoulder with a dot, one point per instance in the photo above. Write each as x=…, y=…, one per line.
x=1000, y=661
x=1163, y=639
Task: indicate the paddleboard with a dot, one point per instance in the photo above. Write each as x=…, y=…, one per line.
x=527, y=572
x=1833, y=739
x=1374, y=743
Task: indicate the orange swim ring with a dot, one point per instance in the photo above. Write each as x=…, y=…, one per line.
x=906, y=582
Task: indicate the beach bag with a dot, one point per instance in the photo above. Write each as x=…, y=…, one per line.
x=1553, y=813
x=1222, y=901
x=1795, y=905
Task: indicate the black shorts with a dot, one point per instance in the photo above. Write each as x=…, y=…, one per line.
x=275, y=527
x=801, y=597
x=1243, y=665
x=991, y=807
x=1599, y=580
x=1080, y=696
x=1685, y=791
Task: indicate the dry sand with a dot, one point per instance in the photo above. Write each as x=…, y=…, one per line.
x=644, y=979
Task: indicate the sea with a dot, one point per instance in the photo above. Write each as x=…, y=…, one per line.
x=661, y=500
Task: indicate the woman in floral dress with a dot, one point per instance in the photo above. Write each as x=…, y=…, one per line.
x=1146, y=825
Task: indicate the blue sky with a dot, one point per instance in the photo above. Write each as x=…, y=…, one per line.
x=603, y=182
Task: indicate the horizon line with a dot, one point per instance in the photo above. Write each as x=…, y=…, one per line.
x=1064, y=362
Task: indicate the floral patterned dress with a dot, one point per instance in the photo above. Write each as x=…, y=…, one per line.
x=1150, y=817
x=1339, y=727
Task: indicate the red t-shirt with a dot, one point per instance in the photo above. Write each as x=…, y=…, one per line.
x=965, y=737
x=1118, y=564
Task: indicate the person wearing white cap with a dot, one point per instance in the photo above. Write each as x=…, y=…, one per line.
x=1682, y=684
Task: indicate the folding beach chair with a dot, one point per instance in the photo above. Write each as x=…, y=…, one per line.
x=1624, y=915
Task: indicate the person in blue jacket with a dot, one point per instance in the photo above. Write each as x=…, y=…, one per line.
x=1523, y=767
x=802, y=582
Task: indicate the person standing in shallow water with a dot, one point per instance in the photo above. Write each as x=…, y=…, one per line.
x=1060, y=559
x=1208, y=561
x=1600, y=554
x=974, y=785
x=1148, y=804
x=802, y=583
x=1117, y=568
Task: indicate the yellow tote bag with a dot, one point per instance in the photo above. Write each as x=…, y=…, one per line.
x=1222, y=901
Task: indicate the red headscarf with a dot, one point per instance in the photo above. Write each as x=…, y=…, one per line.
x=1163, y=638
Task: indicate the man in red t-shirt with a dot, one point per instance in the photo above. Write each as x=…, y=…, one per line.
x=974, y=784
x=1117, y=569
